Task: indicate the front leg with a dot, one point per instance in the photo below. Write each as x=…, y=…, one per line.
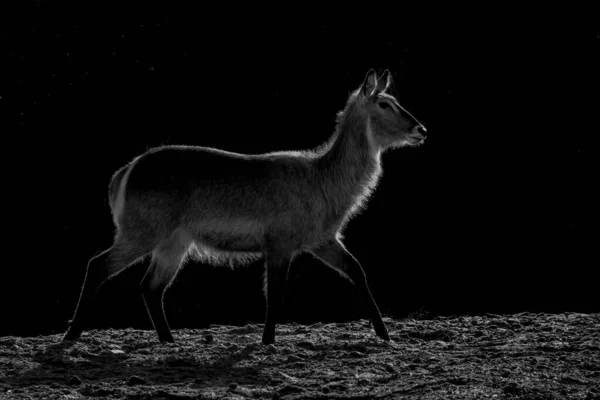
x=274, y=286
x=335, y=255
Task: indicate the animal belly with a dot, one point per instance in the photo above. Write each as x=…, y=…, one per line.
x=228, y=242
x=231, y=235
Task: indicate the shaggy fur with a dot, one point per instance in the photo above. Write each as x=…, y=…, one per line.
x=219, y=207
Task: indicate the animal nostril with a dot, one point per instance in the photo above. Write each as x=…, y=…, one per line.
x=421, y=129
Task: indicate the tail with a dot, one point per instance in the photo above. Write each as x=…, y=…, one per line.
x=116, y=192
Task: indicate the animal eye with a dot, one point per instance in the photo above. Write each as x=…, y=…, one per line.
x=383, y=105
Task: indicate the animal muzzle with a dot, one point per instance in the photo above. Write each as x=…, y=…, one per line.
x=418, y=132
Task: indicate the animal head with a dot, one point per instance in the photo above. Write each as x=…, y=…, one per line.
x=388, y=124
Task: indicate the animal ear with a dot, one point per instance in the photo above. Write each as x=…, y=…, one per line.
x=370, y=83
x=384, y=81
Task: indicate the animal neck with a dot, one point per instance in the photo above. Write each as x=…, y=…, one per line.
x=348, y=165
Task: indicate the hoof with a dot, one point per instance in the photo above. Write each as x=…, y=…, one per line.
x=268, y=339
x=71, y=336
x=382, y=333
x=166, y=338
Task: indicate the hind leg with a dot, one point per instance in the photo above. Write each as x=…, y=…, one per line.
x=153, y=287
x=99, y=269
x=166, y=260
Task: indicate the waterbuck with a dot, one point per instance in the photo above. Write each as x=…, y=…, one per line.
x=215, y=206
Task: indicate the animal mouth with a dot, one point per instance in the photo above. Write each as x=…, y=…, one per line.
x=413, y=139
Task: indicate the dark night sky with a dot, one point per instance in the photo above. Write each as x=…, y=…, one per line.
x=492, y=214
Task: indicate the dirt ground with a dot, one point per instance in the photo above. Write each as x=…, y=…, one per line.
x=521, y=356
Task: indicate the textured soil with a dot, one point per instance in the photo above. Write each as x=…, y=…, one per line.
x=521, y=356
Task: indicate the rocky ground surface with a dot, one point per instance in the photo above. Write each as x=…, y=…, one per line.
x=521, y=356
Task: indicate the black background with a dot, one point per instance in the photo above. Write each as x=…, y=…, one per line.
x=492, y=214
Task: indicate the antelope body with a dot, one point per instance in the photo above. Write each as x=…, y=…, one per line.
x=175, y=202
